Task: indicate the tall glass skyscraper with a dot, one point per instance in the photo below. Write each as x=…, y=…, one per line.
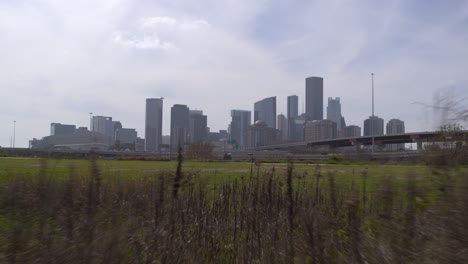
x=265, y=110
x=153, y=124
x=314, y=98
x=291, y=115
x=197, y=126
x=241, y=120
x=180, y=125
x=334, y=112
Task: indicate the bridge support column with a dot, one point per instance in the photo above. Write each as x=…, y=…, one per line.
x=357, y=145
x=419, y=145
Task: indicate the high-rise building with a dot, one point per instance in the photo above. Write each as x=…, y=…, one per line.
x=115, y=125
x=197, y=126
x=343, y=122
x=180, y=126
x=57, y=129
x=373, y=126
x=334, y=112
x=283, y=127
x=260, y=134
x=153, y=124
x=296, y=133
x=314, y=98
x=103, y=125
x=241, y=120
x=293, y=106
x=352, y=131
x=265, y=110
x=395, y=126
x=126, y=138
x=317, y=130
x=292, y=114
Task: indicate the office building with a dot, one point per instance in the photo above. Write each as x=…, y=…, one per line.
x=395, y=126
x=334, y=112
x=153, y=124
x=352, y=131
x=373, y=126
x=126, y=138
x=283, y=127
x=103, y=125
x=314, y=98
x=317, y=130
x=57, y=129
x=296, y=132
x=265, y=110
x=293, y=106
x=197, y=126
x=180, y=126
x=140, y=144
x=260, y=134
x=82, y=139
x=240, y=122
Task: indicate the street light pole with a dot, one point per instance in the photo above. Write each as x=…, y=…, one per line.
x=14, y=133
x=90, y=120
x=372, y=117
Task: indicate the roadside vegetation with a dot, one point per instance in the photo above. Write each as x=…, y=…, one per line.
x=96, y=211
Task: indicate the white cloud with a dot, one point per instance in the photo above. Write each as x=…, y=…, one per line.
x=157, y=21
x=61, y=61
x=146, y=42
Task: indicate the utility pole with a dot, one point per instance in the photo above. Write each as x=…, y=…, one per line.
x=14, y=133
x=372, y=117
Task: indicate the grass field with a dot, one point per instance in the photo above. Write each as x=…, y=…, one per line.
x=110, y=211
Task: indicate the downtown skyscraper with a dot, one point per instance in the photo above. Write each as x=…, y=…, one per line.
x=153, y=124
x=197, y=126
x=334, y=112
x=265, y=110
x=241, y=120
x=394, y=127
x=180, y=126
x=314, y=98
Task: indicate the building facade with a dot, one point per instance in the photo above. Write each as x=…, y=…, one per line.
x=317, y=130
x=265, y=110
x=296, y=133
x=180, y=126
x=126, y=138
x=260, y=134
x=352, y=131
x=395, y=126
x=103, y=125
x=240, y=122
x=314, y=98
x=153, y=124
x=198, y=129
x=57, y=129
x=292, y=114
x=334, y=112
x=373, y=126
x=283, y=127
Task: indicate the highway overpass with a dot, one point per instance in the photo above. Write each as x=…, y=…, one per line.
x=414, y=137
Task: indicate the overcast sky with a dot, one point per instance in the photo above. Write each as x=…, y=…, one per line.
x=61, y=60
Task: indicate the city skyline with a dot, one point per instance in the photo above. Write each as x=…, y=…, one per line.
x=107, y=57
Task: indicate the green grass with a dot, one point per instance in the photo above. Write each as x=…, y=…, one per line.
x=80, y=211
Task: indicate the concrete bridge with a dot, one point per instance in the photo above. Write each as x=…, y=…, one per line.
x=414, y=137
